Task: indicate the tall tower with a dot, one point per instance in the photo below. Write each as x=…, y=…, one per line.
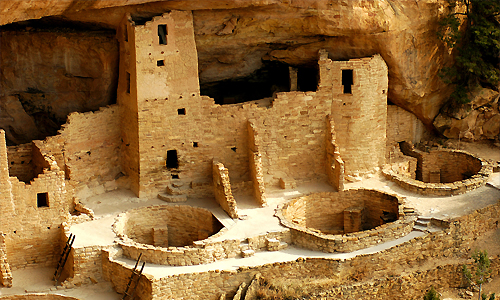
x=360, y=112
x=158, y=72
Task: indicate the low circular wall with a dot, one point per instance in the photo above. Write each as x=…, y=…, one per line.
x=445, y=173
x=37, y=297
x=345, y=221
x=172, y=235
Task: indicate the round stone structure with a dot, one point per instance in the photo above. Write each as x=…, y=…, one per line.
x=345, y=221
x=443, y=173
x=167, y=234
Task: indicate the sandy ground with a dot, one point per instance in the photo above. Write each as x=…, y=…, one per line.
x=256, y=220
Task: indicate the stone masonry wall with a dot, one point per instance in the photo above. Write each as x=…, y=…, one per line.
x=164, y=100
x=402, y=125
x=20, y=162
x=127, y=100
x=334, y=163
x=316, y=221
x=33, y=229
x=222, y=190
x=92, y=146
x=360, y=116
x=255, y=161
x=185, y=224
x=470, y=163
x=5, y=272
x=450, y=165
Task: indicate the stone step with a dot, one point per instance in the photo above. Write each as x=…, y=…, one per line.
x=171, y=190
x=275, y=245
x=423, y=223
x=172, y=198
x=421, y=228
x=408, y=210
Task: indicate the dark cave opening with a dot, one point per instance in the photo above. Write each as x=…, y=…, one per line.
x=273, y=77
x=263, y=83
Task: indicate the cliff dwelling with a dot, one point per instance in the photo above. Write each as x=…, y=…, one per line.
x=162, y=168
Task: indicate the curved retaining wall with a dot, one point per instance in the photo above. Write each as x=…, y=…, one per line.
x=451, y=166
x=199, y=252
x=304, y=217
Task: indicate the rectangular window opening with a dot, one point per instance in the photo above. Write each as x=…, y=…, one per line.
x=347, y=81
x=160, y=63
x=128, y=83
x=125, y=33
x=195, y=144
x=181, y=111
x=162, y=34
x=172, y=159
x=42, y=200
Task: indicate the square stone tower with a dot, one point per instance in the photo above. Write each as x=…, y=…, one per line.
x=158, y=73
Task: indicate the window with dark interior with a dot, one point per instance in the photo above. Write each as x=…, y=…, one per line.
x=162, y=34
x=42, y=200
x=347, y=81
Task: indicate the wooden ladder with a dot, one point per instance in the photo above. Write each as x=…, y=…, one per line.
x=134, y=280
x=64, y=257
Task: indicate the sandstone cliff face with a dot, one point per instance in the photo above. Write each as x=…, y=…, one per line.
x=234, y=37
x=45, y=75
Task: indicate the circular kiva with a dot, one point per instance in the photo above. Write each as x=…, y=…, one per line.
x=37, y=297
x=444, y=173
x=167, y=234
x=345, y=221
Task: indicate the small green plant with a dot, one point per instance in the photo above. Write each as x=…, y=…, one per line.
x=482, y=273
x=431, y=294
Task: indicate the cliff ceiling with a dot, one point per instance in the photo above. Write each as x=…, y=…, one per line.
x=233, y=39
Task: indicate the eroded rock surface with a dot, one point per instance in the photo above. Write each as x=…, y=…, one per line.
x=45, y=75
x=234, y=37
x=479, y=119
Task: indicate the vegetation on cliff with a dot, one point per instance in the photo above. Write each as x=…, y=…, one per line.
x=472, y=31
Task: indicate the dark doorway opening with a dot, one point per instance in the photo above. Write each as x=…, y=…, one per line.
x=347, y=81
x=42, y=200
x=172, y=160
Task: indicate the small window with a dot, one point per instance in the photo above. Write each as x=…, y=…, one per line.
x=181, y=111
x=195, y=144
x=347, y=81
x=175, y=176
x=233, y=148
x=128, y=83
x=162, y=34
x=160, y=63
x=125, y=33
x=42, y=200
x=172, y=160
